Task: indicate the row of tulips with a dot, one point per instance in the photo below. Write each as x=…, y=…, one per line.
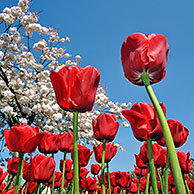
x=41, y=168
x=144, y=59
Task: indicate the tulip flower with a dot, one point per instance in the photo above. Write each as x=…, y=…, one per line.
x=83, y=172
x=91, y=184
x=106, y=127
x=185, y=161
x=112, y=179
x=75, y=87
x=110, y=152
x=95, y=169
x=159, y=155
x=68, y=165
x=75, y=90
x=122, y=179
x=27, y=176
x=12, y=166
x=31, y=187
x=2, y=186
x=144, y=121
x=178, y=131
x=141, y=163
x=83, y=155
x=58, y=178
x=133, y=188
x=22, y=138
x=82, y=183
x=42, y=168
x=139, y=171
x=65, y=142
x=11, y=191
x=2, y=175
x=104, y=152
x=69, y=176
x=144, y=54
x=49, y=143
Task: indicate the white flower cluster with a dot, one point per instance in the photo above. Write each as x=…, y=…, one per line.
x=26, y=92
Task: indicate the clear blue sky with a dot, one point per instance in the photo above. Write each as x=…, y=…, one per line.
x=98, y=28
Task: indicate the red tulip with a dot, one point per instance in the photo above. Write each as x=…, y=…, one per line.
x=159, y=156
x=144, y=54
x=100, y=179
x=122, y=179
x=27, y=175
x=75, y=87
x=95, y=169
x=31, y=187
x=65, y=141
x=133, y=188
x=141, y=163
x=83, y=172
x=83, y=155
x=99, y=190
x=69, y=175
x=143, y=183
x=11, y=191
x=191, y=184
x=2, y=186
x=49, y=143
x=144, y=121
x=112, y=179
x=12, y=166
x=106, y=127
x=68, y=165
x=110, y=152
x=42, y=168
x=138, y=171
x=91, y=184
x=58, y=179
x=22, y=138
x=178, y=131
x=185, y=162
x=2, y=175
x=82, y=184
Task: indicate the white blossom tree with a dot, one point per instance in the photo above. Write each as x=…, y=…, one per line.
x=28, y=51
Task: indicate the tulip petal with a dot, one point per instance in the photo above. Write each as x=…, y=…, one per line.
x=31, y=144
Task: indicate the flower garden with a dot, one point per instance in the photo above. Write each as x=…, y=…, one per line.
x=50, y=107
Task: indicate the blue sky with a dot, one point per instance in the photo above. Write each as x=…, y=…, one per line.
x=97, y=30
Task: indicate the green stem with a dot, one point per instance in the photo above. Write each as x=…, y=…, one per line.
x=37, y=188
x=177, y=174
x=166, y=174
x=147, y=182
x=63, y=175
x=186, y=184
x=109, y=185
x=102, y=167
x=53, y=182
x=151, y=166
x=75, y=154
x=26, y=189
x=138, y=190
x=21, y=171
x=47, y=189
x=161, y=181
x=9, y=183
x=21, y=155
